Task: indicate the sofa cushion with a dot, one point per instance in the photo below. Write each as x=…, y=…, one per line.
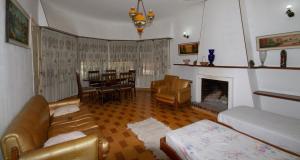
x=29, y=130
x=63, y=138
x=65, y=110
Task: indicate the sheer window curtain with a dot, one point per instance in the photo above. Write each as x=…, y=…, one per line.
x=57, y=65
x=93, y=55
x=60, y=55
x=154, y=61
x=123, y=55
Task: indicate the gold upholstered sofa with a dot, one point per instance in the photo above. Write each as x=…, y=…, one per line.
x=33, y=126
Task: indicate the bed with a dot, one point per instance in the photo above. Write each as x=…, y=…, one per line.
x=209, y=140
x=275, y=129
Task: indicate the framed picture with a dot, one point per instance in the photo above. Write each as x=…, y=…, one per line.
x=17, y=24
x=188, y=48
x=278, y=41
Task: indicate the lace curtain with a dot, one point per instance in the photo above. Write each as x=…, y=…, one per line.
x=93, y=55
x=57, y=65
x=123, y=55
x=154, y=61
x=61, y=55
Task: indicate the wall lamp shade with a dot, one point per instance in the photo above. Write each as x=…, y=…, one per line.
x=289, y=11
x=186, y=35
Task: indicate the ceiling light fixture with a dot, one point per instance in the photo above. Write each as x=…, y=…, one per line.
x=141, y=19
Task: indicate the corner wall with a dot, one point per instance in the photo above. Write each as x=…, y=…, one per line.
x=266, y=18
x=16, y=78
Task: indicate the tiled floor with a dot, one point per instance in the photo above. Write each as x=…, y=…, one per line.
x=113, y=118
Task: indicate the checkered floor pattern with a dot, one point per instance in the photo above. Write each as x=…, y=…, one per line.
x=113, y=118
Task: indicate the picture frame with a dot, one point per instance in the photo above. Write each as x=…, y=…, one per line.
x=17, y=24
x=278, y=41
x=188, y=48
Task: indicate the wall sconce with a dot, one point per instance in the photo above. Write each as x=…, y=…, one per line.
x=186, y=35
x=289, y=11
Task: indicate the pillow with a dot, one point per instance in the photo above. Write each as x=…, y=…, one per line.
x=65, y=110
x=63, y=138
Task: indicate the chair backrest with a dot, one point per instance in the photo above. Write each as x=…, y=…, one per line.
x=132, y=76
x=108, y=76
x=79, y=87
x=125, y=77
x=93, y=75
x=111, y=71
x=170, y=81
x=182, y=83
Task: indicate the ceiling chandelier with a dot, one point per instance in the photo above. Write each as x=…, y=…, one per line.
x=141, y=18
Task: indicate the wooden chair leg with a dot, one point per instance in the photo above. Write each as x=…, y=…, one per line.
x=134, y=92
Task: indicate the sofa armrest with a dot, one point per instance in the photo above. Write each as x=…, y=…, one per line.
x=54, y=105
x=184, y=95
x=83, y=148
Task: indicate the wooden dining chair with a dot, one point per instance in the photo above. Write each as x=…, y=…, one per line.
x=91, y=91
x=110, y=87
x=132, y=80
x=125, y=86
x=110, y=71
x=94, y=78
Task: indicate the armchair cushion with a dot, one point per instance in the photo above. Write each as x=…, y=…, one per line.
x=63, y=138
x=175, y=94
x=169, y=81
x=65, y=110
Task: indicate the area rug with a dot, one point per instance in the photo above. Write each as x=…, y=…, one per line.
x=150, y=131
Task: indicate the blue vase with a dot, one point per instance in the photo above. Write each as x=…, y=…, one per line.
x=211, y=57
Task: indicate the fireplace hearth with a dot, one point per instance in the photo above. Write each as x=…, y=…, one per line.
x=214, y=93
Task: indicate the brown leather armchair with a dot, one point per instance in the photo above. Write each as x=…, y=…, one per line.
x=25, y=136
x=177, y=94
x=169, y=80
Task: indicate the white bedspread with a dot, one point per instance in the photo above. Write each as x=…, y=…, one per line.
x=279, y=130
x=206, y=140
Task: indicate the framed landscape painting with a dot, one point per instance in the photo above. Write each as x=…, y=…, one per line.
x=278, y=41
x=17, y=24
x=188, y=48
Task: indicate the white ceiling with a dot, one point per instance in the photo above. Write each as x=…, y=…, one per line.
x=116, y=10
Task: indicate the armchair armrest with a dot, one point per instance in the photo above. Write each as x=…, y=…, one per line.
x=162, y=89
x=157, y=83
x=83, y=148
x=184, y=95
x=54, y=105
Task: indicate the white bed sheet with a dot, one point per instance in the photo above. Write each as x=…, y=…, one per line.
x=276, y=129
x=206, y=140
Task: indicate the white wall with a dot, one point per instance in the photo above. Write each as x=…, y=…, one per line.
x=223, y=32
x=16, y=78
x=265, y=18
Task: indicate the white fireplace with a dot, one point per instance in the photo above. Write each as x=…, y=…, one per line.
x=201, y=78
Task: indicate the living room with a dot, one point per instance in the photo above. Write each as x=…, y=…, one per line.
x=229, y=27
